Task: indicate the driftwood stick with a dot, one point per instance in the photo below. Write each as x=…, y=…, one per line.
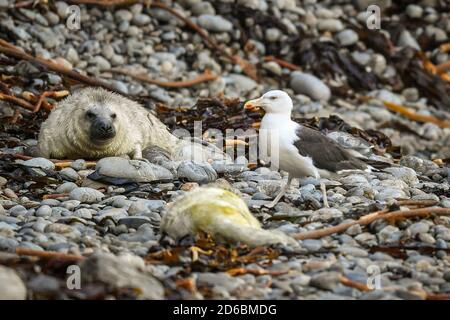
x=206, y=76
x=58, y=163
x=367, y=219
x=283, y=63
x=443, y=67
x=415, y=116
x=354, y=284
x=61, y=164
x=35, y=99
x=417, y=203
x=12, y=51
x=48, y=254
x=259, y=272
x=110, y=3
x=445, y=47
x=54, y=196
x=16, y=100
x=4, y=88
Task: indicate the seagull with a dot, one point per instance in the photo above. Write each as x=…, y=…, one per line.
x=302, y=151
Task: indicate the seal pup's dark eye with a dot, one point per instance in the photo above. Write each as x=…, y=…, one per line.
x=113, y=116
x=90, y=115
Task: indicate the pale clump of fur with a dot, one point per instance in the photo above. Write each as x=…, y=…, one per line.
x=220, y=213
x=64, y=136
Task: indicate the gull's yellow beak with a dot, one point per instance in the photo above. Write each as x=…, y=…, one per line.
x=252, y=105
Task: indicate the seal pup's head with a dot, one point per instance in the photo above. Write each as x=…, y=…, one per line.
x=98, y=115
x=100, y=123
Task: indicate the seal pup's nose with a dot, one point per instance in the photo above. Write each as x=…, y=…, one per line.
x=105, y=127
x=102, y=130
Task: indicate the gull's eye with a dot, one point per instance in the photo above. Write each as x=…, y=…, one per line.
x=90, y=115
x=272, y=98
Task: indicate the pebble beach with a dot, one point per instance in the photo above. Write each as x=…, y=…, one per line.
x=383, y=92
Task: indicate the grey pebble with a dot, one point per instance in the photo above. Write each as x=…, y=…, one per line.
x=8, y=244
x=18, y=210
x=312, y=245
x=83, y=213
x=219, y=279
x=145, y=206
x=43, y=211
x=114, y=214
x=12, y=287
x=135, y=221
x=141, y=19
x=69, y=174
x=86, y=195
x=134, y=170
x=122, y=272
x=325, y=280
x=332, y=25
x=78, y=164
x=309, y=85
x=44, y=284
x=39, y=163
x=203, y=7
x=196, y=172
x=407, y=175
x=214, y=23
x=66, y=187
x=347, y=37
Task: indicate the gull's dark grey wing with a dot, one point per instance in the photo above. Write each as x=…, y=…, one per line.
x=325, y=153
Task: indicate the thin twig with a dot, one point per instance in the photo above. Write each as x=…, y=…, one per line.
x=257, y=272
x=206, y=76
x=415, y=116
x=440, y=68
x=23, y=4
x=427, y=64
x=16, y=100
x=4, y=88
x=417, y=203
x=110, y=2
x=54, y=196
x=52, y=94
x=60, y=164
x=12, y=51
x=437, y=296
x=445, y=47
x=282, y=63
x=367, y=219
x=430, y=67
x=35, y=99
x=48, y=254
x=421, y=293
x=445, y=77
x=15, y=116
x=16, y=155
x=354, y=284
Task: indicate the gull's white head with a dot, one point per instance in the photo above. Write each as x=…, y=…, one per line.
x=274, y=101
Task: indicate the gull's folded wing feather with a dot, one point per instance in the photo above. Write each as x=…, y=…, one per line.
x=325, y=153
